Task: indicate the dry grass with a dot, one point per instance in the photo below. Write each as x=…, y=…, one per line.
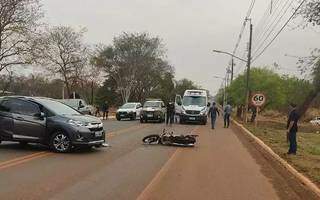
x=307, y=160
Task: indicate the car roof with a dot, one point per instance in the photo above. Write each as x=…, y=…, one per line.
x=28, y=98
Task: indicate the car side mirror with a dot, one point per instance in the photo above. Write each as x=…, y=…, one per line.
x=179, y=104
x=208, y=105
x=40, y=115
x=82, y=106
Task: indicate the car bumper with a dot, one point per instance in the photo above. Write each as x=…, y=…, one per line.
x=150, y=116
x=89, y=138
x=91, y=143
x=193, y=118
x=125, y=115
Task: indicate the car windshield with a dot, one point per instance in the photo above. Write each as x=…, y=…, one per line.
x=58, y=108
x=149, y=104
x=194, y=100
x=128, y=106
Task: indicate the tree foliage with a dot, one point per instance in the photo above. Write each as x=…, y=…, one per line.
x=279, y=90
x=185, y=84
x=311, y=12
x=19, y=20
x=62, y=51
x=135, y=62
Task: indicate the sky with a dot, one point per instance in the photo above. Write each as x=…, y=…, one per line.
x=190, y=30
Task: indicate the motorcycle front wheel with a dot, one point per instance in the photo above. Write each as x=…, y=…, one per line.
x=151, y=139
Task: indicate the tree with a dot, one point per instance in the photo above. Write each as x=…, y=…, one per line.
x=311, y=12
x=62, y=51
x=19, y=20
x=134, y=62
x=165, y=89
x=279, y=90
x=185, y=84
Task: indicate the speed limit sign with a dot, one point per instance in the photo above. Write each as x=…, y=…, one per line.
x=258, y=99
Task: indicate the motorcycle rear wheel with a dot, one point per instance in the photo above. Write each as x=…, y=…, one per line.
x=151, y=139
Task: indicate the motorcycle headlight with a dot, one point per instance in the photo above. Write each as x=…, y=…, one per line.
x=76, y=123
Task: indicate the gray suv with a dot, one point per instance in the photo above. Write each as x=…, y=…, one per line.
x=48, y=122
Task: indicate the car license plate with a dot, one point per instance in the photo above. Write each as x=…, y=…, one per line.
x=150, y=115
x=192, y=118
x=121, y=115
x=99, y=134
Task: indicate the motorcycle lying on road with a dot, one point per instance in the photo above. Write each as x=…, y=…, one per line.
x=168, y=138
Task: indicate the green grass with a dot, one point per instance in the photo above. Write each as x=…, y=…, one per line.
x=307, y=160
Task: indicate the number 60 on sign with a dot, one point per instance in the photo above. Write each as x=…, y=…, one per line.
x=258, y=99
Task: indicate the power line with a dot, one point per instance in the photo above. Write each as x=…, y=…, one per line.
x=267, y=20
x=242, y=30
x=244, y=25
x=264, y=19
x=273, y=25
x=282, y=28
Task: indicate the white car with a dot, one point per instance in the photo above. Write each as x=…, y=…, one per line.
x=83, y=107
x=315, y=121
x=129, y=111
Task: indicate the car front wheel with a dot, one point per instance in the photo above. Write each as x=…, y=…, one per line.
x=60, y=142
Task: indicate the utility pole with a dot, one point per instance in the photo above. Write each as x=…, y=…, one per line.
x=232, y=67
x=245, y=118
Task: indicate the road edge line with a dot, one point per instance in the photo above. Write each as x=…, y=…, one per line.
x=302, y=178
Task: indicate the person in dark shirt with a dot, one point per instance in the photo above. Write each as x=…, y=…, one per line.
x=170, y=113
x=292, y=129
x=105, y=110
x=213, y=112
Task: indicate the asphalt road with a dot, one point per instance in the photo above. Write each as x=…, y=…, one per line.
x=222, y=166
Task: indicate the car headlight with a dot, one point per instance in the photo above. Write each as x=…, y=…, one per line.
x=76, y=123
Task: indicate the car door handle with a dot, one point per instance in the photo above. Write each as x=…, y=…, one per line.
x=19, y=118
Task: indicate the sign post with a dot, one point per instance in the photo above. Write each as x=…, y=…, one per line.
x=258, y=100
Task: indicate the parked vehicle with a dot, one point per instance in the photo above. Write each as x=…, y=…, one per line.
x=315, y=121
x=168, y=138
x=129, y=111
x=193, y=107
x=153, y=110
x=49, y=122
x=80, y=105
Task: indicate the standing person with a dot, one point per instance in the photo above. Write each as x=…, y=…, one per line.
x=227, y=113
x=80, y=105
x=170, y=113
x=213, y=112
x=292, y=129
x=97, y=111
x=105, y=110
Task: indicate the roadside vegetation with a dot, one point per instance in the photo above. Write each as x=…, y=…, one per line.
x=281, y=90
x=132, y=68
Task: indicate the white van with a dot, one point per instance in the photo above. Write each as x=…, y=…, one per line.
x=193, y=107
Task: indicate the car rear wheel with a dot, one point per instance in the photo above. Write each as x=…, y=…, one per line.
x=60, y=142
x=118, y=118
